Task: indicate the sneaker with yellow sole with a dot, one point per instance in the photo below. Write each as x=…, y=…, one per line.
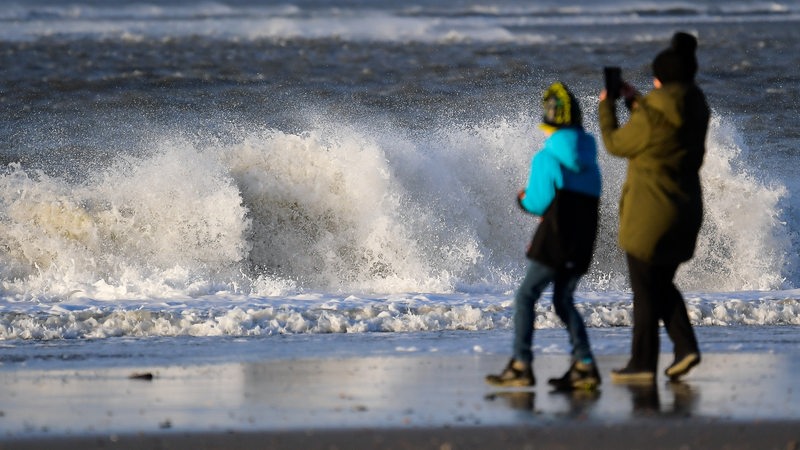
x=629, y=375
x=682, y=366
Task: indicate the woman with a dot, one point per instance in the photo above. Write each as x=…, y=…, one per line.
x=661, y=207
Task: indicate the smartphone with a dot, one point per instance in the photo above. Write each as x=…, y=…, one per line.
x=613, y=76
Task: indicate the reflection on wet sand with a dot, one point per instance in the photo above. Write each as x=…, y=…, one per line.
x=520, y=400
x=578, y=403
x=646, y=401
x=415, y=391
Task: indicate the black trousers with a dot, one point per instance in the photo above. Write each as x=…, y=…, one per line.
x=655, y=298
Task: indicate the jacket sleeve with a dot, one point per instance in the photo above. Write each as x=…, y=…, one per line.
x=628, y=140
x=545, y=178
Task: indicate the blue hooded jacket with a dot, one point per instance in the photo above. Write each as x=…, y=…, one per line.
x=568, y=161
x=564, y=189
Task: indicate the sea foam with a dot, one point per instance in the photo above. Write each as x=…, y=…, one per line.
x=232, y=315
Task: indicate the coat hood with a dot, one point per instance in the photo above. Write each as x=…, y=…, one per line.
x=565, y=146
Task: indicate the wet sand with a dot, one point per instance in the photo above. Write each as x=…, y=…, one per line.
x=736, y=401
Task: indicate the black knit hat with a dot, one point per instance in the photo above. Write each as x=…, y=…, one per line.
x=669, y=66
x=678, y=62
x=686, y=45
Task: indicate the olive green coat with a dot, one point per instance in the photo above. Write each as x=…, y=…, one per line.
x=661, y=208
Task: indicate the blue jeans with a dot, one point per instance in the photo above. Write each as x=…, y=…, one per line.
x=564, y=284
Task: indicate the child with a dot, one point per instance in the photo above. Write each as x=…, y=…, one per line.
x=564, y=190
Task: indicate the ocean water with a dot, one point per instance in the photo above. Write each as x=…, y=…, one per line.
x=334, y=177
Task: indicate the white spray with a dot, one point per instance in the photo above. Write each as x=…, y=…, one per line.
x=345, y=208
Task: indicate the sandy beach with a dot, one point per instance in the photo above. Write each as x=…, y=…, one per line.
x=249, y=224
x=736, y=401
